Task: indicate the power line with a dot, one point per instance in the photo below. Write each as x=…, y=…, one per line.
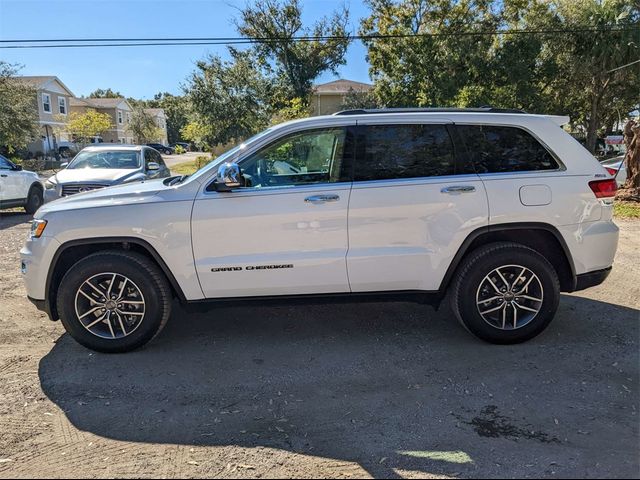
x=146, y=42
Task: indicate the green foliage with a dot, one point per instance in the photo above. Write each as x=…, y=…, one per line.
x=85, y=126
x=355, y=99
x=143, y=127
x=179, y=149
x=187, y=168
x=176, y=109
x=102, y=93
x=195, y=133
x=230, y=99
x=295, y=64
x=291, y=110
x=18, y=110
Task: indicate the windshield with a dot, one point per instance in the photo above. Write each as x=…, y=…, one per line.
x=229, y=154
x=109, y=159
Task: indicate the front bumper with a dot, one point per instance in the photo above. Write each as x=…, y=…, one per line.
x=591, y=279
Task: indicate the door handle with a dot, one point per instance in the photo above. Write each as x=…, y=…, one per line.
x=316, y=199
x=458, y=189
x=4, y=176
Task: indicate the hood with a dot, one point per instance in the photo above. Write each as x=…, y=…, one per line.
x=127, y=194
x=95, y=175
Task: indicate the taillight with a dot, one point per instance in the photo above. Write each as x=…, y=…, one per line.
x=612, y=171
x=604, y=188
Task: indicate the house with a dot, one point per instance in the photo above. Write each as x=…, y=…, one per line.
x=53, y=100
x=160, y=119
x=117, y=108
x=327, y=98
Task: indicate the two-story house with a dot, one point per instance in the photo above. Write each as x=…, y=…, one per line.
x=160, y=119
x=53, y=100
x=327, y=98
x=117, y=108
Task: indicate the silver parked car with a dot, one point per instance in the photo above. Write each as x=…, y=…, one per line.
x=616, y=167
x=102, y=166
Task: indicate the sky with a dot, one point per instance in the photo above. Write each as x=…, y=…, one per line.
x=140, y=72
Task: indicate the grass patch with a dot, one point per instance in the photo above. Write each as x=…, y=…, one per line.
x=188, y=168
x=626, y=209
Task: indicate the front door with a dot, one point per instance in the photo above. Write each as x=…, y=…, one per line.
x=11, y=182
x=412, y=205
x=285, y=231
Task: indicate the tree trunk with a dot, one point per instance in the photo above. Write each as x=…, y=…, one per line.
x=631, y=189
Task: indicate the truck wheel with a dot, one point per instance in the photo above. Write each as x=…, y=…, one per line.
x=35, y=200
x=114, y=301
x=505, y=293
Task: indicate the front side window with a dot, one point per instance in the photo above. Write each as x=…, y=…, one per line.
x=62, y=105
x=151, y=155
x=496, y=149
x=5, y=164
x=117, y=159
x=46, y=102
x=302, y=158
x=405, y=151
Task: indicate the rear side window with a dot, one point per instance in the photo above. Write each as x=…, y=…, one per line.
x=495, y=149
x=404, y=151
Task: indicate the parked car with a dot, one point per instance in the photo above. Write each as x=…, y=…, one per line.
x=161, y=148
x=184, y=145
x=105, y=165
x=69, y=149
x=616, y=167
x=497, y=211
x=18, y=187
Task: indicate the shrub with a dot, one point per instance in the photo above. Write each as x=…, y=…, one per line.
x=179, y=149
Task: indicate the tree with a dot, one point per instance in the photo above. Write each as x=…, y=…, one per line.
x=195, y=133
x=356, y=99
x=176, y=109
x=296, y=64
x=631, y=189
x=18, y=110
x=230, y=99
x=108, y=93
x=143, y=127
x=84, y=126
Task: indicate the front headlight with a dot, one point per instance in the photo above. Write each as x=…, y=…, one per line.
x=49, y=185
x=37, y=228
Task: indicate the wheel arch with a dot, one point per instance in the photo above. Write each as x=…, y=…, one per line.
x=542, y=237
x=72, y=251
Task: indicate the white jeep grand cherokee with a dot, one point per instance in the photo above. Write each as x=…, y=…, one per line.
x=501, y=209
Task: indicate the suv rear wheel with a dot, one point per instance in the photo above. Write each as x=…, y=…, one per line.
x=34, y=200
x=114, y=301
x=505, y=293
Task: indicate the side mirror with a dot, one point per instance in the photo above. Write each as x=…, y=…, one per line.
x=153, y=166
x=64, y=164
x=228, y=177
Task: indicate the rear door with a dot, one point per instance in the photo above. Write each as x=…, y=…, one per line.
x=413, y=203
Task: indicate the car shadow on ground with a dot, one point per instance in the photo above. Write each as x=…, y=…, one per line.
x=11, y=219
x=391, y=386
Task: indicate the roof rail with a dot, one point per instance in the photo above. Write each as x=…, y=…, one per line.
x=373, y=111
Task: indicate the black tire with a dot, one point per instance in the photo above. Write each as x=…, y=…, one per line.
x=35, y=199
x=146, y=276
x=471, y=277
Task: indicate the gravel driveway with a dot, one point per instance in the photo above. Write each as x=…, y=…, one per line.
x=392, y=390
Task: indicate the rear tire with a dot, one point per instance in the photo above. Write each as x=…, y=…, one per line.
x=114, y=301
x=35, y=199
x=505, y=293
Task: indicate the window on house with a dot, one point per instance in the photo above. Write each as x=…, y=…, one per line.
x=62, y=105
x=119, y=116
x=46, y=102
x=128, y=117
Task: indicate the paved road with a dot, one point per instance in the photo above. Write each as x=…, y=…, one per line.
x=390, y=390
x=172, y=160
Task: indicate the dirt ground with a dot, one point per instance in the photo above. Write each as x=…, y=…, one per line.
x=383, y=390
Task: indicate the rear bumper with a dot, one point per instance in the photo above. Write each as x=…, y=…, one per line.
x=591, y=279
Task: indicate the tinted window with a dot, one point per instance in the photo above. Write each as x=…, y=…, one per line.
x=405, y=151
x=4, y=164
x=152, y=156
x=312, y=156
x=505, y=149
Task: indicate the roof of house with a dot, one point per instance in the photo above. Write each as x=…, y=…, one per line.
x=97, y=102
x=40, y=81
x=155, y=111
x=341, y=86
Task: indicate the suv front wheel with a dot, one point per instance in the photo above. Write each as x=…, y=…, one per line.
x=114, y=301
x=505, y=293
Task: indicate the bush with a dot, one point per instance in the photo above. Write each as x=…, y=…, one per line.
x=202, y=160
x=179, y=150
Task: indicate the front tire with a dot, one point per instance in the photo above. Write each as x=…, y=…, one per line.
x=114, y=301
x=35, y=199
x=505, y=293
